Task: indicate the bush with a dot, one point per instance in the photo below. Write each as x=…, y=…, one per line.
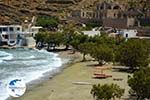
x=106, y=92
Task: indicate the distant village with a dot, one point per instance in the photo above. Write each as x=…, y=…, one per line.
x=109, y=16
x=115, y=16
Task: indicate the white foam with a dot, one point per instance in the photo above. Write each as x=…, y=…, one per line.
x=5, y=56
x=46, y=52
x=31, y=73
x=1, y=61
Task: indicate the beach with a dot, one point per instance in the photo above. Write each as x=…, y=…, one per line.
x=74, y=82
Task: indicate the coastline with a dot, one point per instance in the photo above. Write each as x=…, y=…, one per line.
x=62, y=86
x=68, y=60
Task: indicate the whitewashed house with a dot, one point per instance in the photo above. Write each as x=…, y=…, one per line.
x=128, y=33
x=91, y=33
x=13, y=35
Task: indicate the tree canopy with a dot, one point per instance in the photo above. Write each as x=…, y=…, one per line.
x=140, y=83
x=102, y=53
x=46, y=22
x=134, y=54
x=106, y=92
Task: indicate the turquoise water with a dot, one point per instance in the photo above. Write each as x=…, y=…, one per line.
x=27, y=64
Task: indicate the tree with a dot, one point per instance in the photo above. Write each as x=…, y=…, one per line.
x=102, y=53
x=140, y=83
x=40, y=37
x=68, y=34
x=106, y=92
x=134, y=54
x=53, y=39
x=104, y=39
x=84, y=48
x=47, y=22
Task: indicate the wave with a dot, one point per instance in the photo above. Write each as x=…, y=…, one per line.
x=26, y=58
x=5, y=56
x=31, y=67
x=46, y=52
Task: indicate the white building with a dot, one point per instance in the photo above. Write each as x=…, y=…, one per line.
x=128, y=33
x=13, y=35
x=91, y=33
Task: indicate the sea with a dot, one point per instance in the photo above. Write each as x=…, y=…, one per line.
x=27, y=64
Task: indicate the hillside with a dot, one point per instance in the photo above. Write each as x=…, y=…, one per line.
x=16, y=11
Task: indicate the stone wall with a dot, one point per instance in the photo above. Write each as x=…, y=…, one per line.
x=130, y=22
x=143, y=32
x=116, y=23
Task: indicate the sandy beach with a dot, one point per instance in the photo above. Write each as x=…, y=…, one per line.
x=64, y=86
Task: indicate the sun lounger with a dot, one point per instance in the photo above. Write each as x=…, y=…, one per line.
x=97, y=75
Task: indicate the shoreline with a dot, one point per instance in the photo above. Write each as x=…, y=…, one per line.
x=63, y=85
x=48, y=76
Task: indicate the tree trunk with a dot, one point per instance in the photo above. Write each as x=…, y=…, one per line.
x=48, y=46
x=67, y=46
x=84, y=59
x=73, y=51
x=100, y=63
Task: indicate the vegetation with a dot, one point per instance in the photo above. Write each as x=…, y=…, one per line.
x=102, y=53
x=140, y=83
x=68, y=36
x=106, y=92
x=47, y=22
x=134, y=54
x=91, y=25
x=85, y=48
x=53, y=40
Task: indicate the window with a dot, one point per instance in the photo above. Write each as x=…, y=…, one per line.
x=5, y=36
x=5, y=29
x=83, y=14
x=11, y=29
x=18, y=29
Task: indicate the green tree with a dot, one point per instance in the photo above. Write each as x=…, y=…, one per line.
x=46, y=21
x=68, y=34
x=84, y=48
x=40, y=37
x=102, y=53
x=77, y=40
x=106, y=92
x=140, y=83
x=134, y=54
x=53, y=39
x=104, y=39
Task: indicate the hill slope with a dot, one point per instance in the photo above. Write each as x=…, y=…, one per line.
x=16, y=11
